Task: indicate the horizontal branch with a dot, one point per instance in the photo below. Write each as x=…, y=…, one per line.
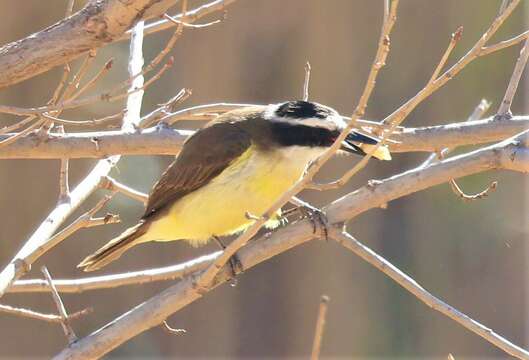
x=511, y=154
x=27, y=313
x=100, y=144
x=112, y=281
x=166, y=141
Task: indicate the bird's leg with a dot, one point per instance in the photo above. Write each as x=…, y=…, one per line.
x=315, y=215
x=235, y=262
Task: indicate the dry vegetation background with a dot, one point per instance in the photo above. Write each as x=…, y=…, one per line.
x=472, y=255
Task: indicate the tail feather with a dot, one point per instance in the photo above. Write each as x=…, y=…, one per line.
x=114, y=248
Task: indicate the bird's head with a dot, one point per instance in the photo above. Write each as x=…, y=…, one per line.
x=309, y=124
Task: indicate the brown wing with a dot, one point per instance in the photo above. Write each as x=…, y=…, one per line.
x=204, y=156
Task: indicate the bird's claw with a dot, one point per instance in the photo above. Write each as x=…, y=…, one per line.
x=317, y=218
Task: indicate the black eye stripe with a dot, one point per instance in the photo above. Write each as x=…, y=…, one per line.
x=302, y=110
x=288, y=134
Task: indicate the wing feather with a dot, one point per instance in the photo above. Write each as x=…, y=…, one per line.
x=204, y=156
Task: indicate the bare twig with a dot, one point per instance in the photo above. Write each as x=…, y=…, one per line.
x=320, y=327
x=64, y=187
x=106, y=67
x=306, y=82
x=486, y=50
x=65, y=322
x=505, y=106
x=172, y=330
x=74, y=83
x=470, y=197
x=193, y=26
x=454, y=39
x=17, y=125
x=165, y=108
x=62, y=82
x=116, y=280
x=111, y=184
x=91, y=122
x=40, y=316
x=13, y=138
x=190, y=17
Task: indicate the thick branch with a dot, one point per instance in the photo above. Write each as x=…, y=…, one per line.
x=98, y=23
x=166, y=141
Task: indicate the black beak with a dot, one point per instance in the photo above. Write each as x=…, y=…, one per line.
x=353, y=137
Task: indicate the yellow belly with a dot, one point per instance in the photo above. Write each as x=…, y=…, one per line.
x=250, y=184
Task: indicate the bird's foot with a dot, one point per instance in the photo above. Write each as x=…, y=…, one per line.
x=234, y=261
x=317, y=218
x=315, y=215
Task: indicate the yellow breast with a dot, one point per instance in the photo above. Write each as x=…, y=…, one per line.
x=250, y=184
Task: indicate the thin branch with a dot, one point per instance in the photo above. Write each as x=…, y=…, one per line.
x=202, y=112
x=73, y=85
x=306, y=82
x=471, y=197
x=13, y=138
x=420, y=293
x=171, y=330
x=60, y=86
x=91, y=122
x=486, y=50
x=190, y=17
x=505, y=106
x=111, y=184
x=192, y=26
x=454, y=39
x=102, y=72
x=40, y=316
x=65, y=323
x=320, y=327
x=111, y=281
x=165, y=108
x=17, y=125
x=64, y=187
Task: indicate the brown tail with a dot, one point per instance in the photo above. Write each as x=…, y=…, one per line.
x=114, y=248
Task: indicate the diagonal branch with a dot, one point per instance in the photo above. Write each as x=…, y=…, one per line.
x=65, y=322
x=422, y=294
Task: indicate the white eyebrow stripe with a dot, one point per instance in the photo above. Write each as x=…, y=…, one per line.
x=270, y=114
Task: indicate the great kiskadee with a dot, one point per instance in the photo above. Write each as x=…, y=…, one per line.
x=240, y=163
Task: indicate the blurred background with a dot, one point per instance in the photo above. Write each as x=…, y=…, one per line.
x=472, y=255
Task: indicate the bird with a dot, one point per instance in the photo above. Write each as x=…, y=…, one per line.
x=238, y=164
